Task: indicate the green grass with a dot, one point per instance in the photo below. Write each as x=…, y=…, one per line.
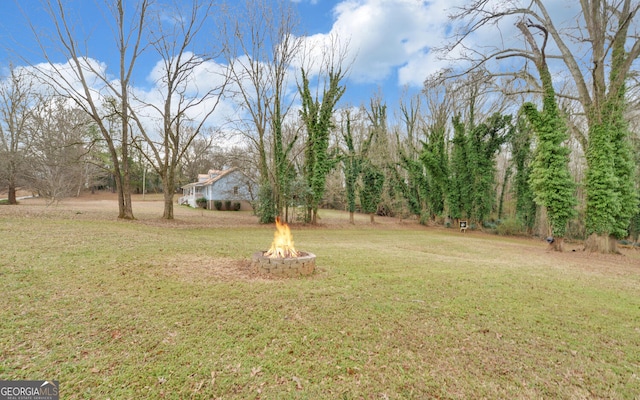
x=132, y=310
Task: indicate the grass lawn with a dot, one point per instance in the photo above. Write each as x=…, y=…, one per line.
x=156, y=309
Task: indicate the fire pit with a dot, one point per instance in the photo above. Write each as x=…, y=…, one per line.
x=282, y=259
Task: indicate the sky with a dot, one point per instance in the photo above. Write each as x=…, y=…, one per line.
x=390, y=42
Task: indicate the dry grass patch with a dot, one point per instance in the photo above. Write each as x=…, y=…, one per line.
x=199, y=269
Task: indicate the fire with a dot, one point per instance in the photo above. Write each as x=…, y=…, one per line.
x=282, y=246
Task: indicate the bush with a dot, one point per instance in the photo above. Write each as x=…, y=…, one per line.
x=217, y=204
x=424, y=218
x=266, y=208
x=236, y=206
x=490, y=225
x=201, y=202
x=227, y=205
x=510, y=227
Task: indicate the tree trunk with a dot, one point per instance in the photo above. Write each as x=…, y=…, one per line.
x=12, y=194
x=168, y=187
x=128, y=206
x=168, y=204
x=371, y=218
x=601, y=244
x=557, y=244
x=351, y=219
x=118, y=181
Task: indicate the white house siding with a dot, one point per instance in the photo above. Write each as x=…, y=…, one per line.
x=228, y=186
x=231, y=187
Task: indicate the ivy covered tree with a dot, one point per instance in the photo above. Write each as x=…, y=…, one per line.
x=382, y=153
x=472, y=189
x=412, y=184
x=371, y=190
x=522, y=156
x=266, y=208
x=435, y=159
x=352, y=162
x=486, y=140
x=317, y=117
x=424, y=186
x=409, y=176
x=596, y=80
x=459, y=200
x=550, y=178
x=612, y=198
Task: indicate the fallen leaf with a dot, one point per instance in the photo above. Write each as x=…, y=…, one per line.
x=213, y=378
x=255, y=371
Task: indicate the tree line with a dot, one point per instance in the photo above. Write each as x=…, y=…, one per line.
x=491, y=143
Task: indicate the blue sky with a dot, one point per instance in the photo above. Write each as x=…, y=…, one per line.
x=390, y=40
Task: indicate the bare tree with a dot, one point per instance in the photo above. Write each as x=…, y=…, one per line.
x=17, y=99
x=197, y=159
x=187, y=104
x=60, y=142
x=261, y=47
x=77, y=78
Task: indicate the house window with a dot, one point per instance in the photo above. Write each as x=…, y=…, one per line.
x=235, y=190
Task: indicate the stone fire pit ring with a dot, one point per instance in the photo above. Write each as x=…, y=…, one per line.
x=303, y=265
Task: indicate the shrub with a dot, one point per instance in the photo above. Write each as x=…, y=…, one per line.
x=490, y=225
x=201, y=202
x=510, y=227
x=227, y=205
x=266, y=208
x=217, y=204
x=236, y=206
x=424, y=217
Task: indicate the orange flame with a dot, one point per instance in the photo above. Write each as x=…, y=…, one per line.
x=282, y=246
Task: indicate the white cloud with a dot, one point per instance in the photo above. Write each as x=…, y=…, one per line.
x=395, y=39
x=384, y=35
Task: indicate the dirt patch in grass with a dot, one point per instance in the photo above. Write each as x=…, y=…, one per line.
x=206, y=270
x=194, y=269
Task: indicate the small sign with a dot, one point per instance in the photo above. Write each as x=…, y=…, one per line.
x=463, y=226
x=29, y=390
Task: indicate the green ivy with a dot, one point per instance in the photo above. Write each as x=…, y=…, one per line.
x=550, y=177
x=317, y=115
x=371, y=191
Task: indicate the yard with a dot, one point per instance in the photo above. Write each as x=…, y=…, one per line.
x=156, y=309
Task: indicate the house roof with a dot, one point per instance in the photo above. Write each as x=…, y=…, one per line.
x=210, y=181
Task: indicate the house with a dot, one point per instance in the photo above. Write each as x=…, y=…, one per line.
x=226, y=188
